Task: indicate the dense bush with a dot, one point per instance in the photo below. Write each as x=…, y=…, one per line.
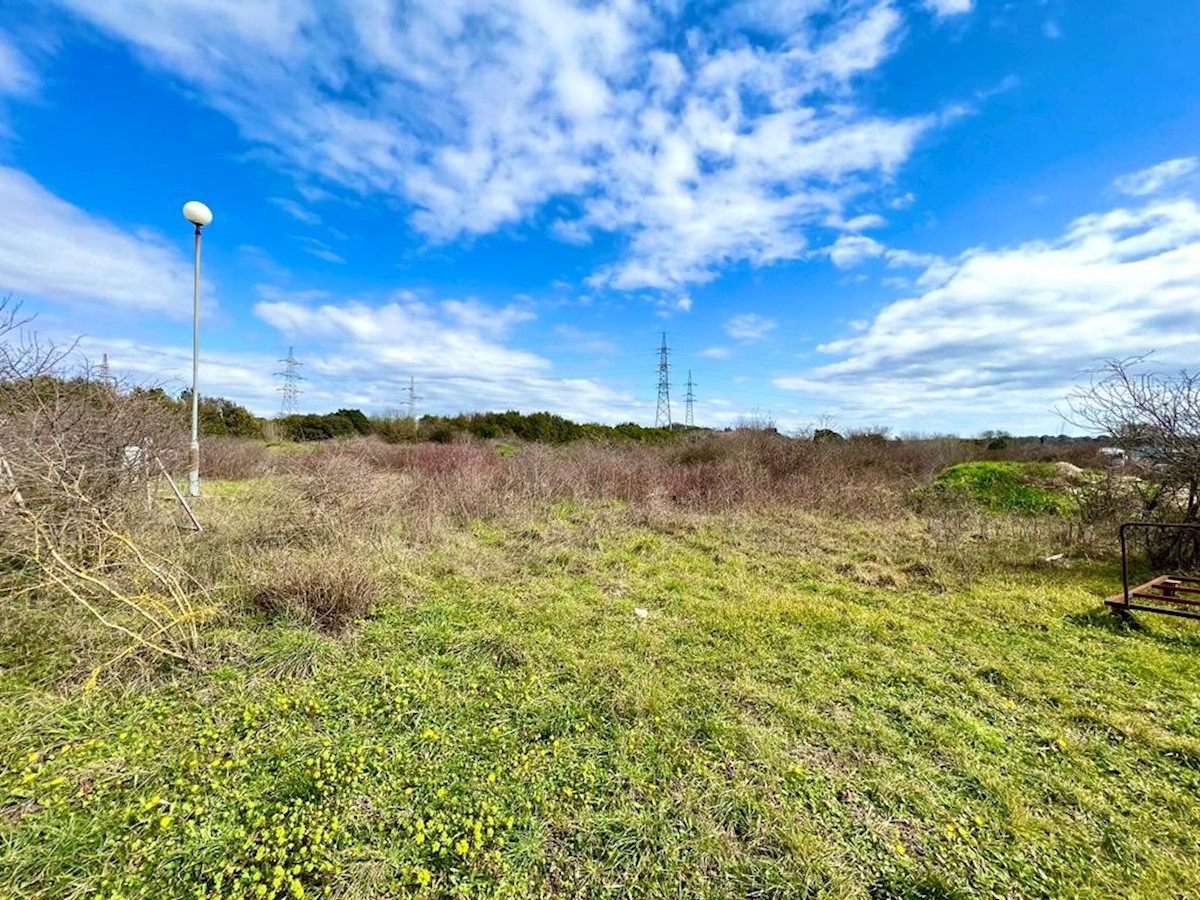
x=312, y=427
x=357, y=418
x=233, y=458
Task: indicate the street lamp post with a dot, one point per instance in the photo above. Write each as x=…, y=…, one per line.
x=199, y=215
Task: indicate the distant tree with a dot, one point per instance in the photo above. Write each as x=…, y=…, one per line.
x=394, y=428
x=312, y=427
x=357, y=418
x=221, y=416
x=827, y=436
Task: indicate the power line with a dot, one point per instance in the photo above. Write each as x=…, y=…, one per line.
x=291, y=383
x=662, y=413
x=688, y=419
x=411, y=403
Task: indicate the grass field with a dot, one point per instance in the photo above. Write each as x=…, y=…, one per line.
x=813, y=706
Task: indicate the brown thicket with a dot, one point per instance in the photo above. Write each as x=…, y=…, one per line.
x=76, y=458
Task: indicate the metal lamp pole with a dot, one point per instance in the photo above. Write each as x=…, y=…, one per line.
x=199, y=215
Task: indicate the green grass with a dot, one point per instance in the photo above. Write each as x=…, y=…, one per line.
x=1009, y=487
x=812, y=708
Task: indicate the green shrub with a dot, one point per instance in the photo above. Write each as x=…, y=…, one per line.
x=1011, y=487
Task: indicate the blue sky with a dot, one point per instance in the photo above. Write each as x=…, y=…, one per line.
x=935, y=215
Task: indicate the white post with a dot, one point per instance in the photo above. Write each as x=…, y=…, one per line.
x=194, y=454
x=199, y=215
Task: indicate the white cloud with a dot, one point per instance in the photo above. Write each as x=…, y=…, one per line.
x=588, y=342
x=999, y=336
x=1154, y=179
x=863, y=44
x=948, y=7
x=901, y=259
x=241, y=376
x=452, y=339
x=698, y=154
x=52, y=250
x=17, y=77
x=716, y=353
x=1052, y=30
x=684, y=303
x=749, y=327
x=848, y=251
x=862, y=223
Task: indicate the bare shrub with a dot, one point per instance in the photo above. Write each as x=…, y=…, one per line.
x=329, y=589
x=425, y=489
x=76, y=521
x=327, y=497
x=231, y=458
x=700, y=450
x=1155, y=418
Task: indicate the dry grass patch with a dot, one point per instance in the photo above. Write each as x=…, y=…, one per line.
x=329, y=589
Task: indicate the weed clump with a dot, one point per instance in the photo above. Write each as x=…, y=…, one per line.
x=329, y=590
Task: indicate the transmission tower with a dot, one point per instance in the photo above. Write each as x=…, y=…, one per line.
x=411, y=403
x=662, y=414
x=291, y=383
x=688, y=419
x=105, y=372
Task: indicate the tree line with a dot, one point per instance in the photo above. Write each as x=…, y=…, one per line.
x=221, y=417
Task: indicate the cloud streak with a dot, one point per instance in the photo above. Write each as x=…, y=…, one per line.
x=17, y=77
x=1154, y=179
x=749, y=327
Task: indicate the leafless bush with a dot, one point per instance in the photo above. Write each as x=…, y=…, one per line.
x=1155, y=418
x=324, y=498
x=235, y=458
x=71, y=442
x=328, y=588
x=76, y=455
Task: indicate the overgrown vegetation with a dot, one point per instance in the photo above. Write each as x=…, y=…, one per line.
x=724, y=665
x=814, y=706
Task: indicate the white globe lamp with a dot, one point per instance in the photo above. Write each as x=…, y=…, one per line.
x=197, y=213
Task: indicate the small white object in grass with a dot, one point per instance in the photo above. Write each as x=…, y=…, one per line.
x=640, y=613
x=1055, y=558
